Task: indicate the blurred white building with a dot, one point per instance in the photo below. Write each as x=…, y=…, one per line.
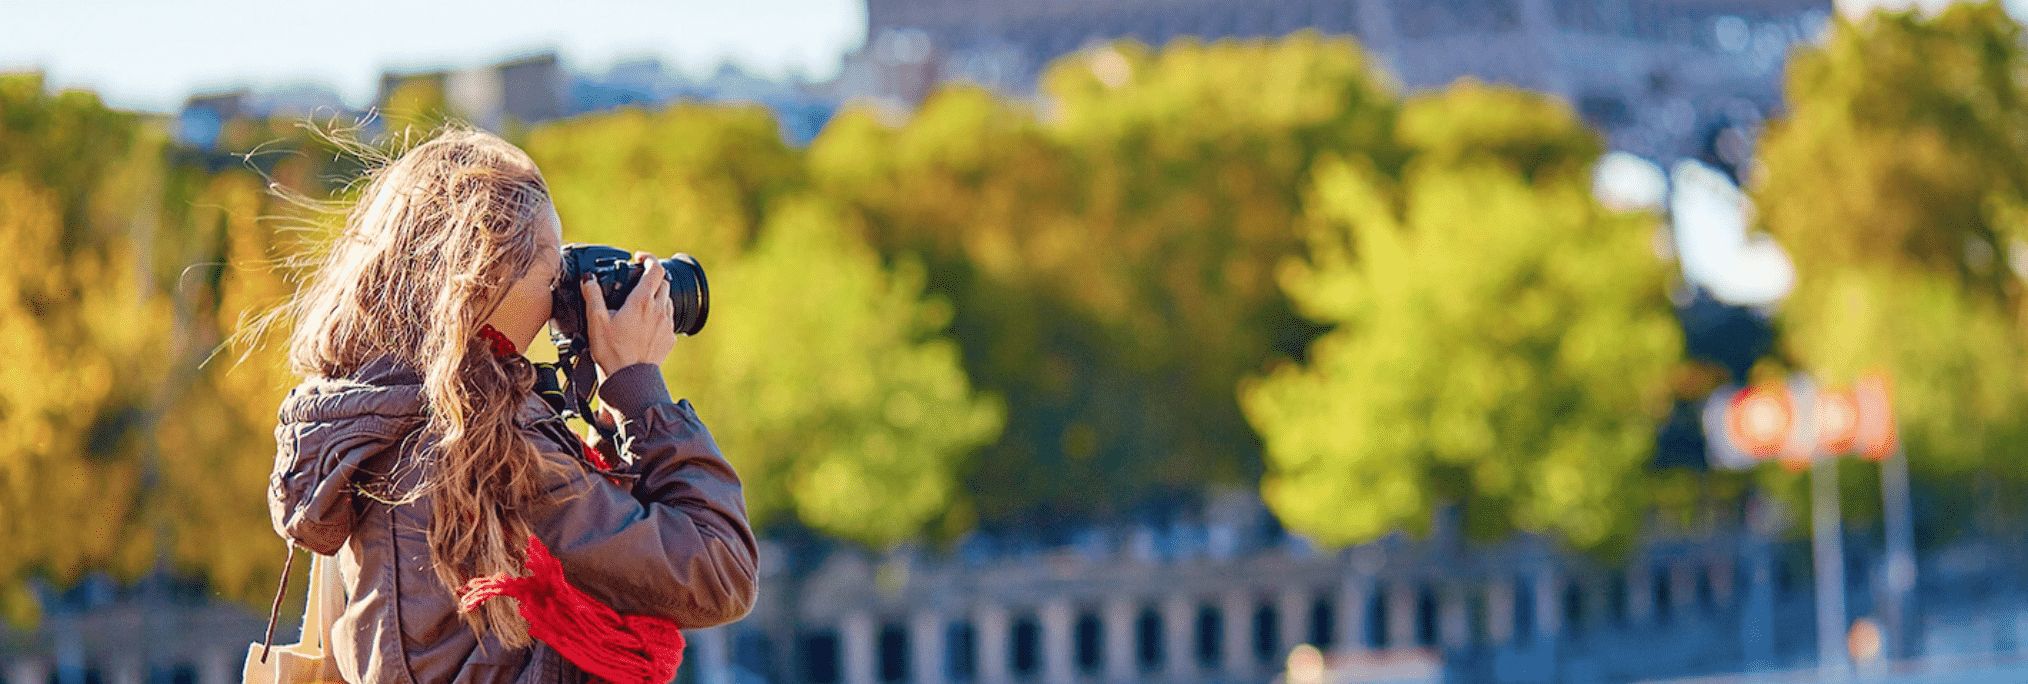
x=1663, y=78
x=526, y=90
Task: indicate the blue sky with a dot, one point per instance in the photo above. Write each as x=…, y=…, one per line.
x=151, y=54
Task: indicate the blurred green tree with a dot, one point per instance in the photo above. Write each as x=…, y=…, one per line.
x=690, y=178
x=416, y=106
x=1897, y=184
x=82, y=329
x=1501, y=341
x=1111, y=260
x=828, y=381
x=215, y=435
x=823, y=373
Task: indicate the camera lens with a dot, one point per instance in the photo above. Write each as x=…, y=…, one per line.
x=690, y=292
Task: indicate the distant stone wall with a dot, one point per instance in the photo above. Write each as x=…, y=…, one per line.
x=1122, y=615
x=1208, y=603
x=137, y=642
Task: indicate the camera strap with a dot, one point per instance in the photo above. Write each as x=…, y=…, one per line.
x=580, y=383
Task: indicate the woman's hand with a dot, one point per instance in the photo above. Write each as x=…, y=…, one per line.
x=643, y=330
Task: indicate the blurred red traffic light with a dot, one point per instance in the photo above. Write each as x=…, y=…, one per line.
x=1874, y=434
x=1837, y=421
x=1760, y=420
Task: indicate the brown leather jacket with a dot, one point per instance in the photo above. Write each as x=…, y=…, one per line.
x=673, y=544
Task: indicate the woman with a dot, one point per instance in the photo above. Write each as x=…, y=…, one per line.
x=417, y=451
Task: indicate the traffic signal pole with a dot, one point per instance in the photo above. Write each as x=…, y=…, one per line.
x=1896, y=509
x=1827, y=530
x=1810, y=428
x=1828, y=549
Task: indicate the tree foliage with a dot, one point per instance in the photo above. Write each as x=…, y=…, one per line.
x=691, y=178
x=416, y=106
x=82, y=329
x=1111, y=256
x=1897, y=183
x=823, y=374
x=215, y=435
x=1500, y=341
x=830, y=385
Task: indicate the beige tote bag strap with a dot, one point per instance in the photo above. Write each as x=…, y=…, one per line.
x=327, y=600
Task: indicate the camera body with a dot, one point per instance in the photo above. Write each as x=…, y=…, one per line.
x=618, y=274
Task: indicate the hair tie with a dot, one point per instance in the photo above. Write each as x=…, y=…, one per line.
x=501, y=345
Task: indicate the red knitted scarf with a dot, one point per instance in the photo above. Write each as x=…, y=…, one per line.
x=614, y=648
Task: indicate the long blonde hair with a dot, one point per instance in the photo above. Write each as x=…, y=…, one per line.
x=434, y=242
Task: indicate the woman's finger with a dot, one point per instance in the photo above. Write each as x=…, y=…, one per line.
x=666, y=307
x=662, y=285
x=595, y=312
x=650, y=290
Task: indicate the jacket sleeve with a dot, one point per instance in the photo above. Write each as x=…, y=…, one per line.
x=676, y=544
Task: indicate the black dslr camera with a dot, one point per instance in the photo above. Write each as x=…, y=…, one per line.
x=618, y=274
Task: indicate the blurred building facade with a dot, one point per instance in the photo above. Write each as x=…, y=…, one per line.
x=523, y=91
x=538, y=88
x=1660, y=78
x=202, y=121
x=800, y=106
x=1219, y=597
